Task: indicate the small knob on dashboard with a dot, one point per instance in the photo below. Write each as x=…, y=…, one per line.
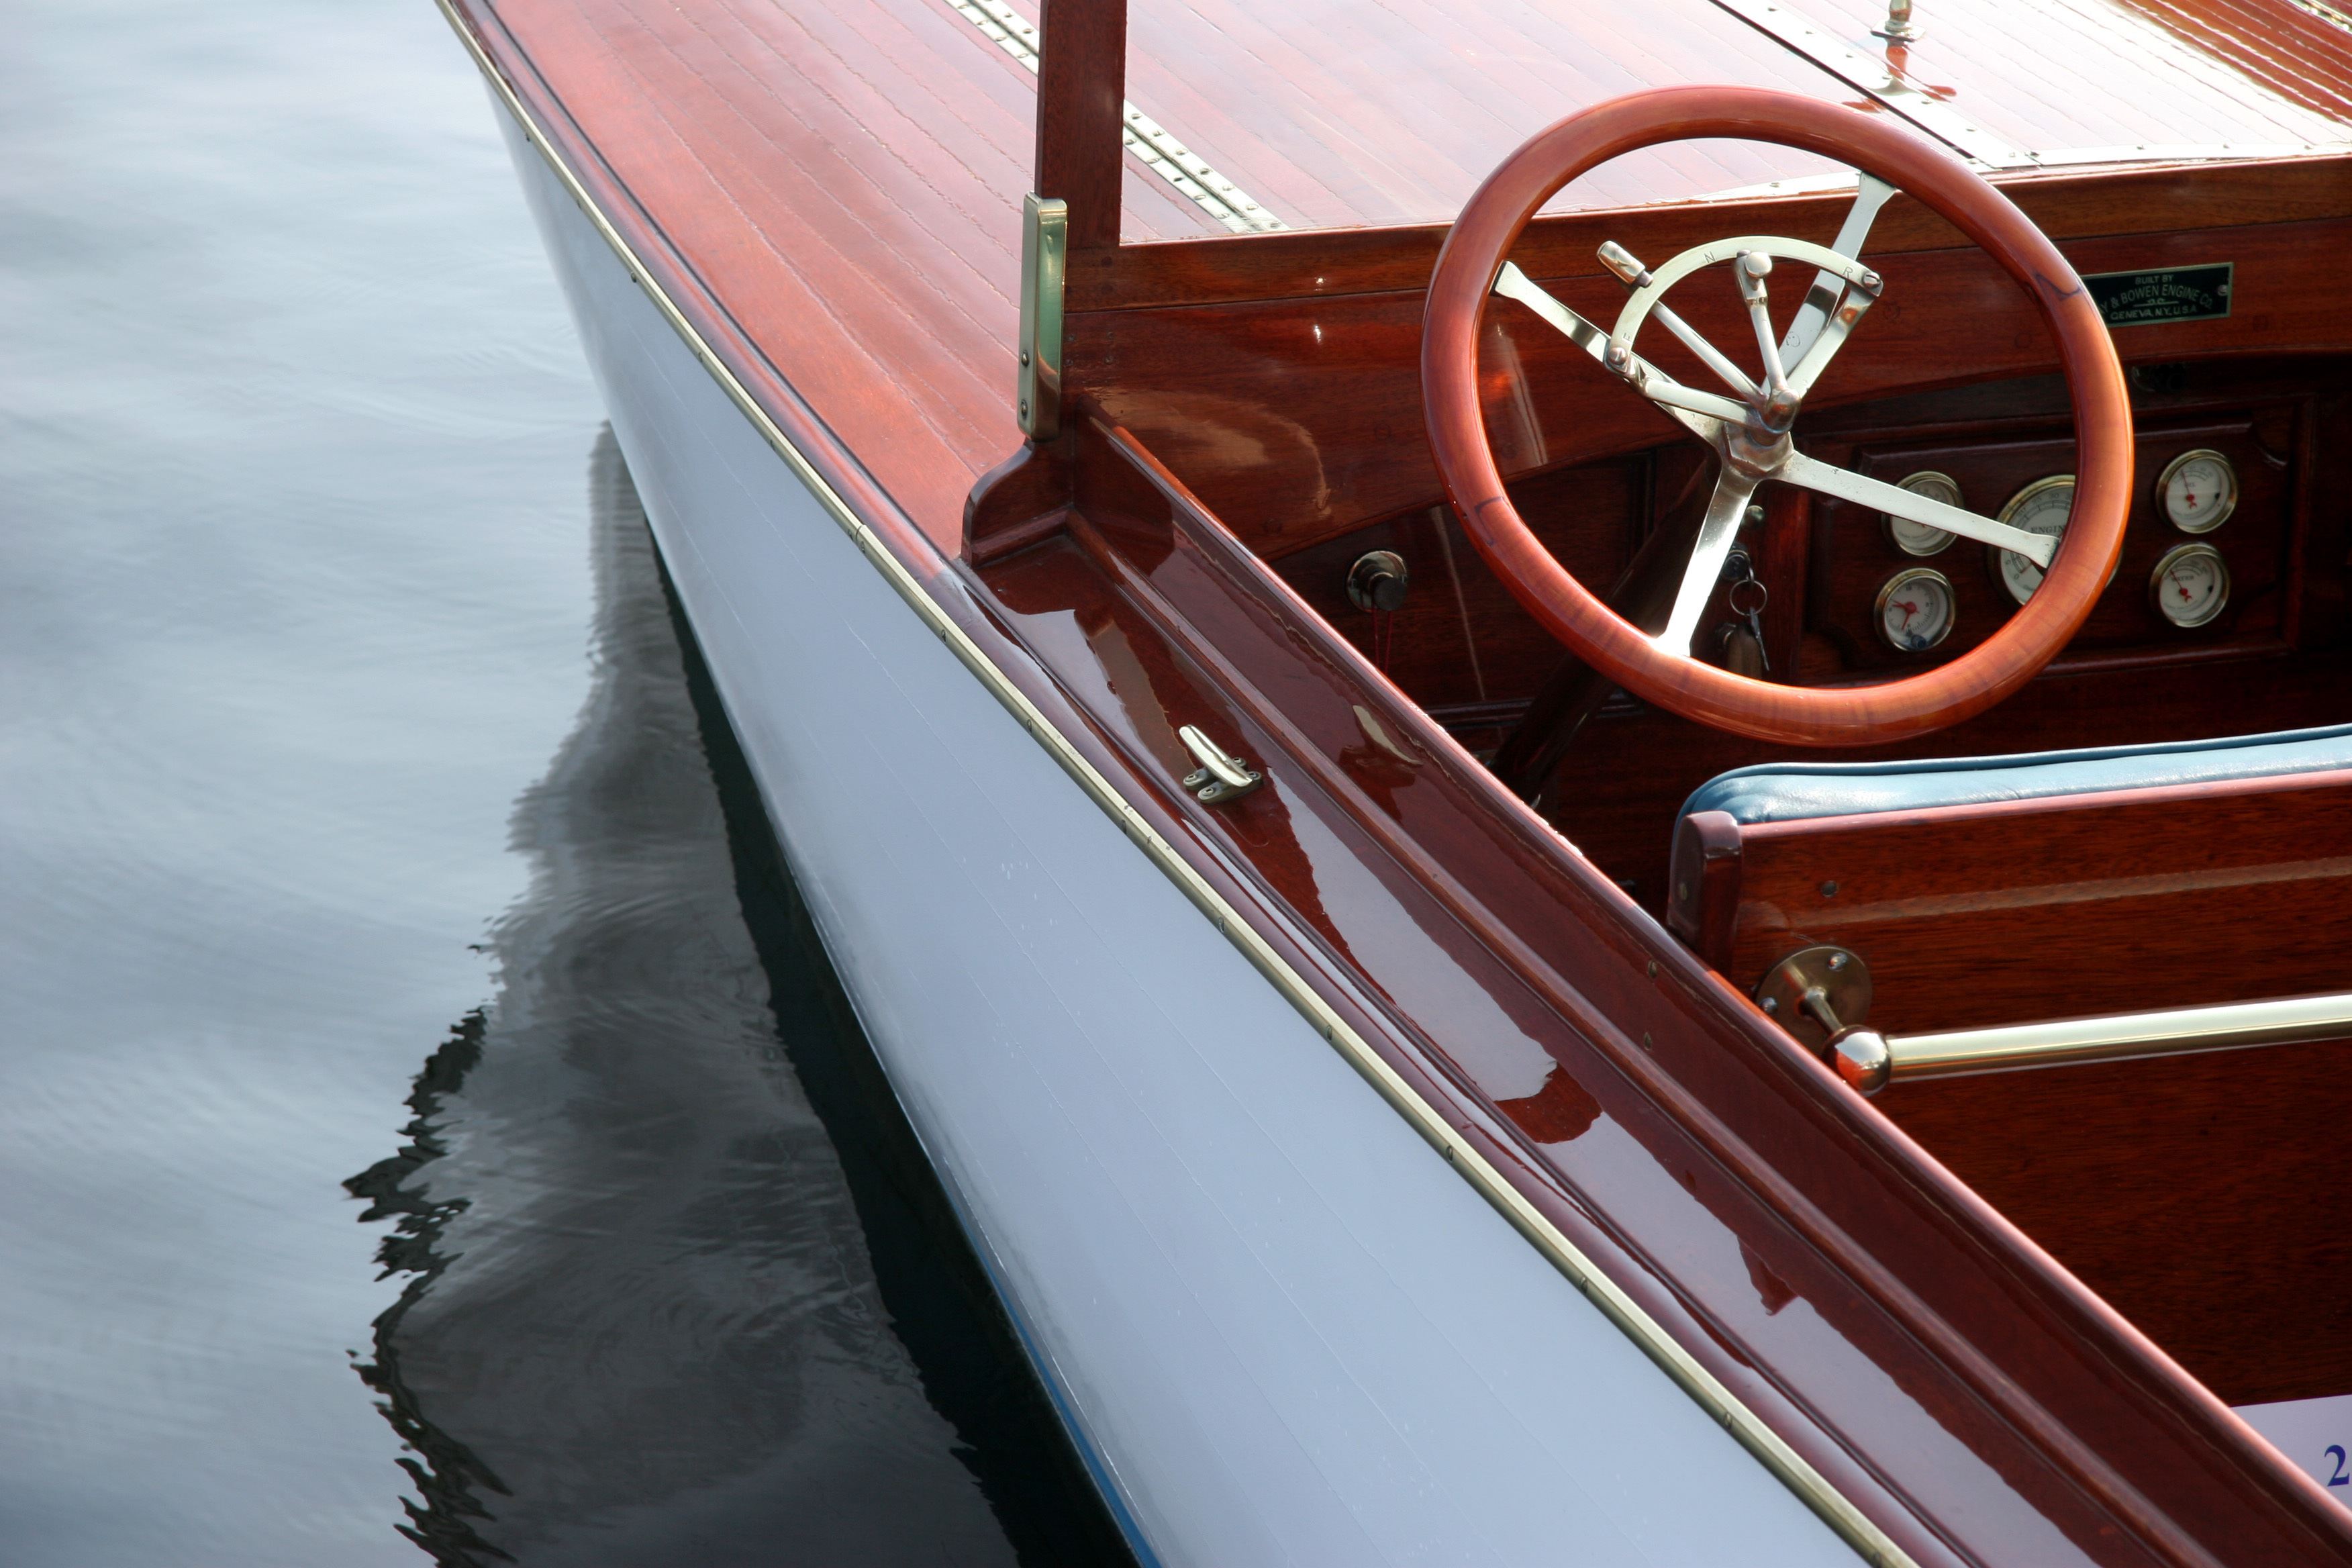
x=1378, y=581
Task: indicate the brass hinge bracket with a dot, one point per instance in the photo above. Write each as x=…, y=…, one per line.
x=1045, y=248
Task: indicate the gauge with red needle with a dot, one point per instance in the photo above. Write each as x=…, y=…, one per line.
x=2198, y=490
x=2191, y=586
x=1917, y=609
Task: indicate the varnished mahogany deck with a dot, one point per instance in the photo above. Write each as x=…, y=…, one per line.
x=1336, y=114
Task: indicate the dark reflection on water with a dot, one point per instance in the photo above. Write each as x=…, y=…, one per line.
x=642, y=1321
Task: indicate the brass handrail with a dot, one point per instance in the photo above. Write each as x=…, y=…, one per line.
x=2120, y=1037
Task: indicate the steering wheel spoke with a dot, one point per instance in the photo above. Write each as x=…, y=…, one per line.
x=1846, y=485
x=1750, y=269
x=1702, y=413
x=1680, y=401
x=1725, y=509
x=1830, y=339
x=1633, y=275
x=1871, y=194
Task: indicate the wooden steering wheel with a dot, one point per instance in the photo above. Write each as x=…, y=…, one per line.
x=1749, y=430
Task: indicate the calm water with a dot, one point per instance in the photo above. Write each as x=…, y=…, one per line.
x=424, y=1123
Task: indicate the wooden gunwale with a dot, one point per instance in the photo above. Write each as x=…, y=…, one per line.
x=1217, y=874
x=2037, y=1284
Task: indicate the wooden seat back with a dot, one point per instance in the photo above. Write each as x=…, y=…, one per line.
x=2007, y=912
x=2196, y=1193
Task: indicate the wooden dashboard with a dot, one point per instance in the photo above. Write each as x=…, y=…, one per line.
x=2283, y=426
x=2271, y=657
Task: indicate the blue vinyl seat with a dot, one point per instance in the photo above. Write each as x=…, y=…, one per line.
x=1789, y=792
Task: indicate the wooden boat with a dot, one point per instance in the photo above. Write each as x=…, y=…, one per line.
x=1507, y=955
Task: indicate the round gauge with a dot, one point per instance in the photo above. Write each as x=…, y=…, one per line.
x=2199, y=490
x=2191, y=586
x=1917, y=609
x=1919, y=537
x=2040, y=507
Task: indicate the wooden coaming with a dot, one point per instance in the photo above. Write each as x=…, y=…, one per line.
x=1297, y=418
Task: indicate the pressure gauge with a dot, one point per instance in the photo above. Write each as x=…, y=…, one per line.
x=2191, y=586
x=2199, y=490
x=1919, y=537
x=2041, y=508
x=1917, y=609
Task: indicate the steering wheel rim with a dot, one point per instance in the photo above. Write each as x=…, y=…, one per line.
x=1467, y=268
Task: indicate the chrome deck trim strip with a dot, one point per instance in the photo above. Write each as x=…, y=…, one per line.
x=2120, y=1037
x=1810, y=1486
x=1145, y=137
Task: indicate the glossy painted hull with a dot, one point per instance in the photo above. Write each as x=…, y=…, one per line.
x=1280, y=1327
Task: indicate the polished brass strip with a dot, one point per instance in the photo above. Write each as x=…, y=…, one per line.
x=2120, y=1037
x=1766, y=1445
x=1145, y=137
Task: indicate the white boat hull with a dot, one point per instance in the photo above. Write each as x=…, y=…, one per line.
x=1281, y=1328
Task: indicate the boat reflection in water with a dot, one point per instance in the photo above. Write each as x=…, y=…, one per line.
x=679, y=1288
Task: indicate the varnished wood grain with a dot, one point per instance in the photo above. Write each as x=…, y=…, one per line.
x=2197, y=1194
x=1021, y=500
x=1703, y=909
x=1081, y=106
x=2289, y=50
x=2069, y=206
x=1349, y=116
x=846, y=182
x=2011, y=911
x=1299, y=422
